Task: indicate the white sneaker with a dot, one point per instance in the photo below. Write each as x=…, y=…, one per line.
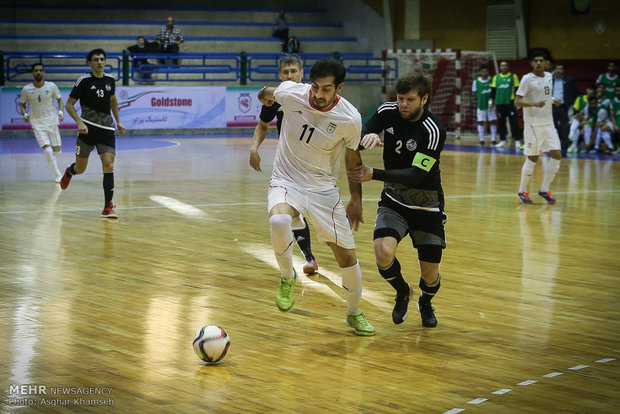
x=500, y=144
x=58, y=178
x=517, y=143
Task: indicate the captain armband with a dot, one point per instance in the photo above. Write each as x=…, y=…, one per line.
x=423, y=161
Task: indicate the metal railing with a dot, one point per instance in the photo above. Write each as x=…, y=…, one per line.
x=184, y=67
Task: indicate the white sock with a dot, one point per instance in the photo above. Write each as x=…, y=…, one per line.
x=551, y=169
x=352, y=284
x=526, y=174
x=481, y=132
x=493, y=131
x=282, y=241
x=51, y=159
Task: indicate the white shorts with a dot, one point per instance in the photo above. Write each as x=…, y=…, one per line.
x=540, y=138
x=486, y=115
x=47, y=136
x=325, y=210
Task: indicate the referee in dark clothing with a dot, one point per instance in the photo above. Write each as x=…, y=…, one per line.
x=566, y=90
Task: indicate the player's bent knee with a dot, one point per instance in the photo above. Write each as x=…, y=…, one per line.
x=281, y=222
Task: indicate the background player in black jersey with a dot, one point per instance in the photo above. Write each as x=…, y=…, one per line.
x=290, y=68
x=96, y=93
x=412, y=201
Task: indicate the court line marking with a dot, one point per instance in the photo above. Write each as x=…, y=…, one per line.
x=180, y=207
x=480, y=400
x=266, y=255
x=258, y=203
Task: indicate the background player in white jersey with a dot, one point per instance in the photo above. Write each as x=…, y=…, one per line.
x=96, y=93
x=412, y=200
x=318, y=126
x=535, y=97
x=290, y=69
x=43, y=117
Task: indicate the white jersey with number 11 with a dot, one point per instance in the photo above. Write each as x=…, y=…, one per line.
x=312, y=141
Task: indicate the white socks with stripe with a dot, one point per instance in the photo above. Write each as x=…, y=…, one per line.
x=352, y=284
x=51, y=159
x=526, y=174
x=282, y=241
x=551, y=169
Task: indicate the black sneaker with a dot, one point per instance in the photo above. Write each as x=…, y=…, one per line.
x=399, y=314
x=427, y=313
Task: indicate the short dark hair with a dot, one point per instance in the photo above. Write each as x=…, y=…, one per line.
x=592, y=98
x=290, y=60
x=140, y=37
x=94, y=52
x=418, y=81
x=538, y=52
x=483, y=66
x=35, y=65
x=328, y=67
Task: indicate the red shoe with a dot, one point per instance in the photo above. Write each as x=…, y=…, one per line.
x=547, y=196
x=525, y=197
x=311, y=267
x=64, y=181
x=108, y=212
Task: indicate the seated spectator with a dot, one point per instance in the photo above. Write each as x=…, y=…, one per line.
x=576, y=126
x=280, y=29
x=169, y=38
x=142, y=47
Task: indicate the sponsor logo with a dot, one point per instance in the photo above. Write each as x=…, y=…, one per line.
x=390, y=130
x=245, y=102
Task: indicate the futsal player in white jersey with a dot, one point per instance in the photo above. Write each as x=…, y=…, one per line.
x=534, y=95
x=318, y=126
x=43, y=116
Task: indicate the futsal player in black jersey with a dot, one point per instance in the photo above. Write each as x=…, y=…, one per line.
x=290, y=68
x=412, y=201
x=96, y=93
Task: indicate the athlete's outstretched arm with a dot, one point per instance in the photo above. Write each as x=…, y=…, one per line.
x=352, y=160
x=265, y=95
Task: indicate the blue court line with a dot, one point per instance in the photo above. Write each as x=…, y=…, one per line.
x=160, y=23
x=21, y=145
x=188, y=38
x=167, y=9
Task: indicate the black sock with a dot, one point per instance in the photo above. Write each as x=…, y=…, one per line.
x=71, y=170
x=108, y=188
x=428, y=291
x=394, y=277
x=302, y=237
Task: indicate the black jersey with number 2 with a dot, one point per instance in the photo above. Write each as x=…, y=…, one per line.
x=414, y=148
x=94, y=95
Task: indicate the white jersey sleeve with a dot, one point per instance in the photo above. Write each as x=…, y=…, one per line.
x=312, y=141
x=43, y=112
x=533, y=89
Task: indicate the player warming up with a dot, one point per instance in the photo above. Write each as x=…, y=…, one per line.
x=291, y=69
x=412, y=200
x=318, y=126
x=96, y=93
x=535, y=97
x=43, y=117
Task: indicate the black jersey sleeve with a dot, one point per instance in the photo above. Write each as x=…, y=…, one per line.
x=76, y=92
x=406, y=176
x=268, y=113
x=373, y=126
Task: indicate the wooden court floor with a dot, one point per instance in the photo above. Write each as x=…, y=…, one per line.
x=528, y=311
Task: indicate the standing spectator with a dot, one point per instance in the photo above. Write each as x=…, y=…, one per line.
x=485, y=113
x=615, y=116
x=566, y=91
x=610, y=80
x=412, y=200
x=169, y=38
x=43, y=117
x=319, y=125
x=503, y=86
x=535, y=97
x=290, y=69
x=280, y=29
x=142, y=47
x=96, y=93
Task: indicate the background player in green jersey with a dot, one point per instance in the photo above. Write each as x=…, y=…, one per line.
x=610, y=80
x=485, y=111
x=503, y=87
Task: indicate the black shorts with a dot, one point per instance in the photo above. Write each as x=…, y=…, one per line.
x=103, y=139
x=426, y=228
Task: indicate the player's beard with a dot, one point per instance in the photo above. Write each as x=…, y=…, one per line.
x=38, y=78
x=320, y=105
x=414, y=115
